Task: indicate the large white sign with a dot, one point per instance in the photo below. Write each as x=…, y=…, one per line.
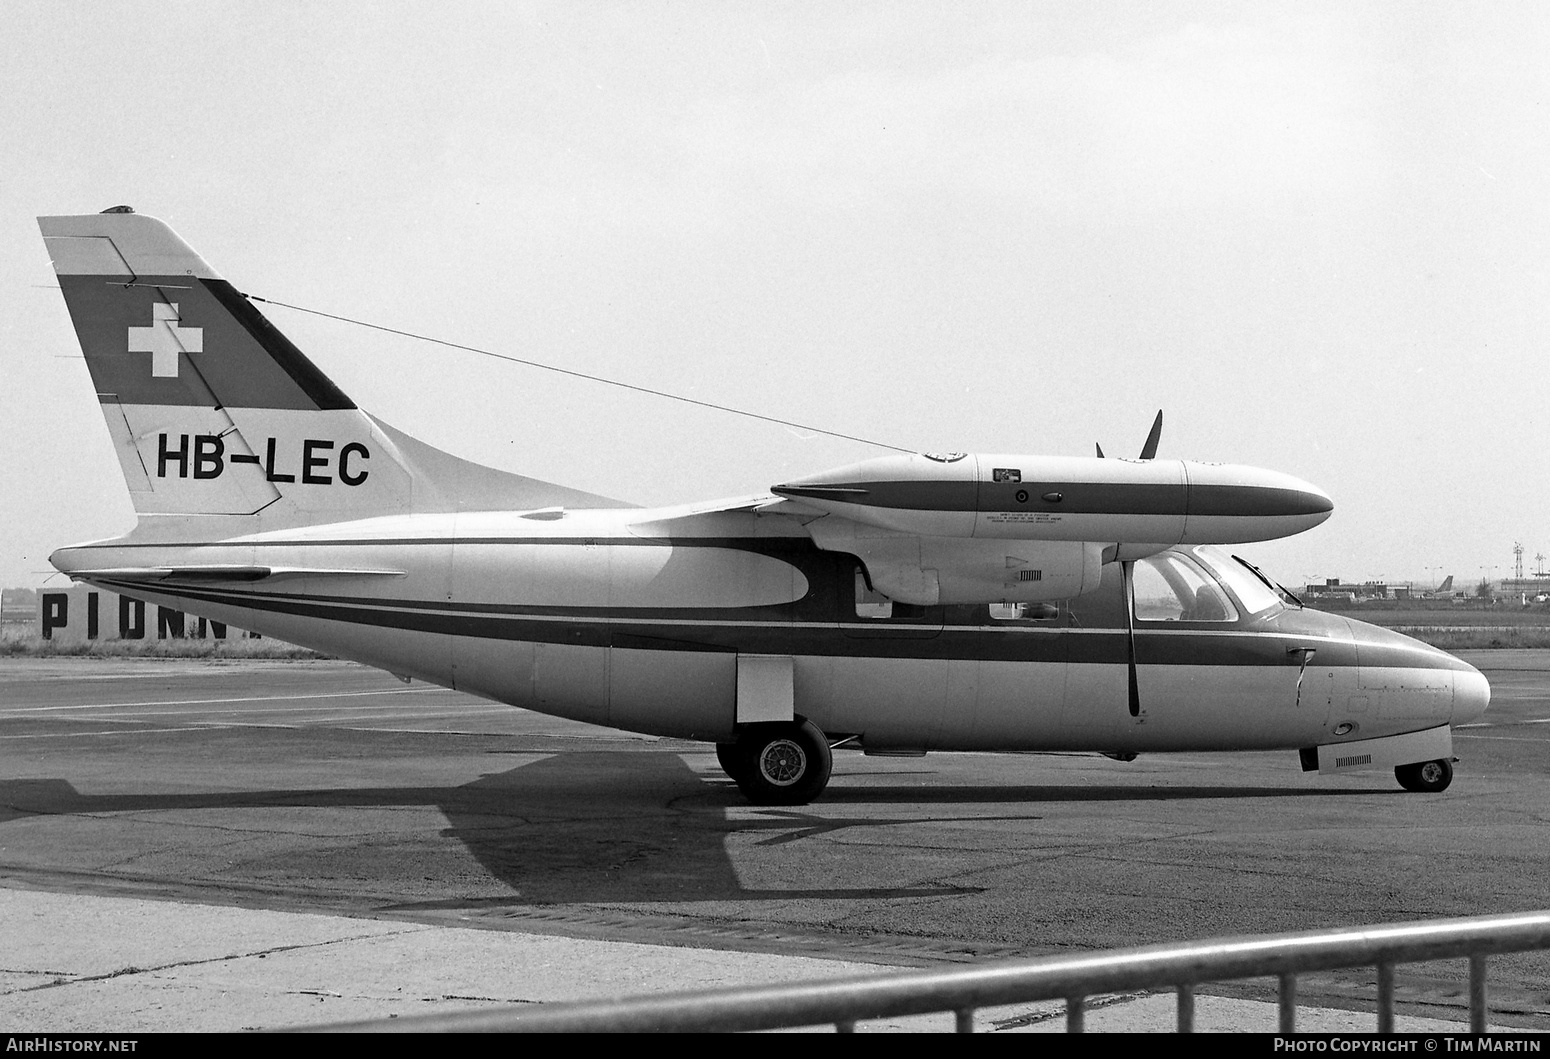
x=81, y=614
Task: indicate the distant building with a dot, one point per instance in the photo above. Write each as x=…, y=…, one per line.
x=18, y=604
x=1524, y=589
x=1334, y=589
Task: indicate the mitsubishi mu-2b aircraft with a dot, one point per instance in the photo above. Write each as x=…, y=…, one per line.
x=941, y=601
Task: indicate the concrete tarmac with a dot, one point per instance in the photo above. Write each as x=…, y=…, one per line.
x=402, y=849
x=127, y=965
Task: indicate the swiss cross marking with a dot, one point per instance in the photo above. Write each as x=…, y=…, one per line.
x=165, y=339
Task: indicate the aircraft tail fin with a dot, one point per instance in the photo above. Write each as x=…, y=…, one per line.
x=214, y=412
x=1446, y=586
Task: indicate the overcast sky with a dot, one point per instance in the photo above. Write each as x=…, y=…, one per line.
x=1315, y=234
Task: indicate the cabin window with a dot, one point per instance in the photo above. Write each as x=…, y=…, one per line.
x=872, y=605
x=1170, y=587
x=869, y=602
x=1024, y=612
x=1026, y=615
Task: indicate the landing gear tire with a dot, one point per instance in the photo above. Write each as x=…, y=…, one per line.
x=1427, y=777
x=786, y=763
x=733, y=762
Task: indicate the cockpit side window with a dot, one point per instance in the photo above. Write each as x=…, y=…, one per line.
x=1170, y=587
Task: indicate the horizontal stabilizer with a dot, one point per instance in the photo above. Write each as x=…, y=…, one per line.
x=222, y=573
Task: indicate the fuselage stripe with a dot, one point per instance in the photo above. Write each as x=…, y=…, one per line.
x=700, y=631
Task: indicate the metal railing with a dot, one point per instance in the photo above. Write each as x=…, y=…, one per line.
x=844, y=1002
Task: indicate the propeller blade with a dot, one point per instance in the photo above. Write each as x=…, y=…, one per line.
x=1127, y=570
x=1149, y=450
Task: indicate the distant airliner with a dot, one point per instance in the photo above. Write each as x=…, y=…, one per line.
x=943, y=601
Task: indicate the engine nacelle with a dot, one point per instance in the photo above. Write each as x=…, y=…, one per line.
x=1064, y=498
x=936, y=570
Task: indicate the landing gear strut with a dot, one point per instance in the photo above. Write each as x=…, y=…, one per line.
x=1427, y=777
x=784, y=763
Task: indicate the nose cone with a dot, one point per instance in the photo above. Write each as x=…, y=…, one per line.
x=1414, y=681
x=1301, y=499
x=1238, y=490
x=1471, y=695
x=1230, y=504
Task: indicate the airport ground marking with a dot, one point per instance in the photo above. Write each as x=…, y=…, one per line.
x=129, y=716
x=121, y=731
x=210, y=702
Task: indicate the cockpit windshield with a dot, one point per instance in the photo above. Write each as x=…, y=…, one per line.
x=1254, y=590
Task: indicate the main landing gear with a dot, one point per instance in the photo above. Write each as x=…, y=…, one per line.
x=1427, y=777
x=782, y=763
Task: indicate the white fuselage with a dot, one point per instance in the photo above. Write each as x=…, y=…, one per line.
x=640, y=620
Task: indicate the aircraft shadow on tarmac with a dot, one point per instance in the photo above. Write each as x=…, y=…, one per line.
x=1034, y=793
x=601, y=826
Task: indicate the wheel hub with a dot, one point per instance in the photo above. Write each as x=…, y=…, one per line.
x=782, y=762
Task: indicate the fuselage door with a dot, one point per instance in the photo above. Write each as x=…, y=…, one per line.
x=1187, y=660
